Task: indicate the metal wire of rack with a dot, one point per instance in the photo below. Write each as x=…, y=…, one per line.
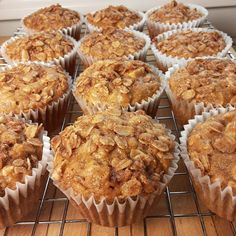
x=166, y=117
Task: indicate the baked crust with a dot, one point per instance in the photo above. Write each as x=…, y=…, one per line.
x=211, y=81
x=112, y=154
x=39, y=47
x=189, y=44
x=174, y=13
x=118, y=17
x=51, y=18
x=212, y=148
x=117, y=83
x=20, y=151
x=111, y=44
x=31, y=86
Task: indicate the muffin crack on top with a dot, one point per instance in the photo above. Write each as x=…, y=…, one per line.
x=118, y=17
x=117, y=83
x=175, y=12
x=51, y=18
x=112, y=154
x=20, y=150
x=212, y=148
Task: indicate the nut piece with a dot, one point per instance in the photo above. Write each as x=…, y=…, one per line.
x=188, y=94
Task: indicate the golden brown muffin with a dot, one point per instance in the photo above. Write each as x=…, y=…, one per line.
x=117, y=83
x=211, y=81
x=112, y=154
x=31, y=86
x=51, y=18
x=190, y=44
x=174, y=13
x=118, y=17
x=111, y=44
x=20, y=151
x=39, y=47
x=212, y=148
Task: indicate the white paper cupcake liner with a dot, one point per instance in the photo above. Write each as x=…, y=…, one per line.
x=156, y=28
x=138, y=26
x=88, y=60
x=165, y=61
x=218, y=200
x=51, y=115
x=117, y=213
x=185, y=110
x=17, y=203
x=73, y=31
x=68, y=61
x=150, y=105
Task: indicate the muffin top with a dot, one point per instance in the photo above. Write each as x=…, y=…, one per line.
x=174, y=13
x=111, y=44
x=189, y=44
x=117, y=83
x=20, y=151
x=212, y=81
x=39, y=47
x=51, y=18
x=118, y=17
x=112, y=154
x=212, y=148
x=31, y=86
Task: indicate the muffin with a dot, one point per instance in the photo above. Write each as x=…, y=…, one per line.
x=209, y=148
x=51, y=47
x=131, y=85
x=113, y=44
x=24, y=149
x=208, y=82
x=174, y=15
x=119, y=17
x=35, y=91
x=178, y=46
x=54, y=18
x=119, y=162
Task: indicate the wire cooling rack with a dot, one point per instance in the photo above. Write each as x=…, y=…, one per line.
x=55, y=216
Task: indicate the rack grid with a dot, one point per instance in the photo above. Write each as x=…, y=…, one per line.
x=171, y=209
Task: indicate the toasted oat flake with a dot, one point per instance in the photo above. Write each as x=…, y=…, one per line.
x=14, y=156
x=111, y=44
x=175, y=12
x=113, y=16
x=211, y=81
x=31, y=86
x=26, y=48
x=107, y=161
x=51, y=18
x=125, y=83
x=215, y=152
x=190, y=44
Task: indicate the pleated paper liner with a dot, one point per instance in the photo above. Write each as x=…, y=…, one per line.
x=150, y=105
x=218, y=200
x=19, y=202
x=137, y=26
x=185, y=110
x=51, y=115
x=155, y=27
x=119, y=212
x=88, y=60
x=68, y=61
x=165, y=61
